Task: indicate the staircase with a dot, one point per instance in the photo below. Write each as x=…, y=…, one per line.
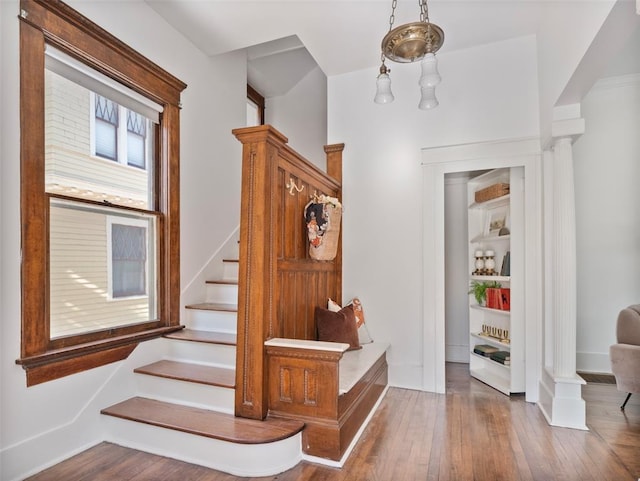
x=185, y=402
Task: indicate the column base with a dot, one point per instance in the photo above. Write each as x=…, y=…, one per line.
x=561, y=401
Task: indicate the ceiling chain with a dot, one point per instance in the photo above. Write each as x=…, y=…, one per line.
x=424, y=11
x=392, y=17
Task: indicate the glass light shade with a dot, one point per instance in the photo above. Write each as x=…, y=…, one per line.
x=430, y=76
x=383, y=89
x=428, y=99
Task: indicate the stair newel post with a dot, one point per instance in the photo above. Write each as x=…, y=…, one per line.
x=256, y=299
x=334, y=169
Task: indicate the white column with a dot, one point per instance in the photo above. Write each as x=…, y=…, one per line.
x=560, y=386
x=564, y=260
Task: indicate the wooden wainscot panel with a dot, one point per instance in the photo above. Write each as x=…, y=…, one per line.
x=304, y=385
x=355, y=405
x=278, y=284
x=303, y=382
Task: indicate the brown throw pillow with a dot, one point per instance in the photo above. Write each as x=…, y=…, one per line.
x=338, y=326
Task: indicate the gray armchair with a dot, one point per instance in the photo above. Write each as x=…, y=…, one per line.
x=625, y=355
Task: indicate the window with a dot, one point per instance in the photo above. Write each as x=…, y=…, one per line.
x=99, y=199
x=128, y=250
x=126, y=143
x=255, y=107
x=136, y=137
x=106, y=127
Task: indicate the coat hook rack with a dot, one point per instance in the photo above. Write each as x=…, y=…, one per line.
x=291, y=185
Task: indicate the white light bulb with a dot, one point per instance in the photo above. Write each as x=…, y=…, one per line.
x=383, y=89
x=428, y=98
x=430, y=76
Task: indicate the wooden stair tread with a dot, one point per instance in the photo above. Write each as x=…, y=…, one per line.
x=231, y=282
x=203, y=422
x=185, y=371
x=211, y=337
x=214, y=306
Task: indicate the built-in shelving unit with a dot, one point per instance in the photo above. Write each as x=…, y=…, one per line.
x=496, y=225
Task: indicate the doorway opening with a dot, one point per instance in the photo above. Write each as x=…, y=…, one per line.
x=444, y=169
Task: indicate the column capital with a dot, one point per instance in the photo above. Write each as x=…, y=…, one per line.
x=567, y=123
x=570, y=129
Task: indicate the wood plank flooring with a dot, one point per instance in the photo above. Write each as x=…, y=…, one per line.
x=471, y=433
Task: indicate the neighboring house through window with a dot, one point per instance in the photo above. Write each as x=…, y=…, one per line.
x=127, y=258
x=123, y=142
x=106, y=127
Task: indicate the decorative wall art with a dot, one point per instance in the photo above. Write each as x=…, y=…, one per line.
x=497, y=218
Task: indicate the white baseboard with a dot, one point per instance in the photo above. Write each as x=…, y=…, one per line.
x=593, y=362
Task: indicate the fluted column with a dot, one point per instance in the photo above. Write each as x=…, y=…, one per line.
x=560, y=386
x=564, y=260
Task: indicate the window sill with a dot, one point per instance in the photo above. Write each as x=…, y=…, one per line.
x=65, y=361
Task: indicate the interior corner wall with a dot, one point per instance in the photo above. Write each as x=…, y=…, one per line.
x=559, y=54
x=487, y=93
x=301, y=115
x=606, y=171
x=456, y=266
x=44, y=423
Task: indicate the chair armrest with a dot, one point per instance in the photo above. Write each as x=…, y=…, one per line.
x=625, y=364
x=623, y=354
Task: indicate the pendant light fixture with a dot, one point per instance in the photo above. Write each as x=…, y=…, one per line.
x=408, y=43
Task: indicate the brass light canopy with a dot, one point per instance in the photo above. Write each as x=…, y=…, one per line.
x=411, y=41
x=408, y=43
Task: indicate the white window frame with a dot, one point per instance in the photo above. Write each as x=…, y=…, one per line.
x=135, y=223
x=121, y=133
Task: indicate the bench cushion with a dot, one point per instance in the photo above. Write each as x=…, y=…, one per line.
x=355, y=364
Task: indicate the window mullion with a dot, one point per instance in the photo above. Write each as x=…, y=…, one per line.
x=122, y=135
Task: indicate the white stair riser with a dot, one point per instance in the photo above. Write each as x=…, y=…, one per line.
x=216, y=398
x=205, y=320
x=202, y=352
x=230, y=271
x=265, y=459
x=223, y=293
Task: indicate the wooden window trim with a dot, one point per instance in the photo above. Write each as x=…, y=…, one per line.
x=258, y=99
x=54, y=22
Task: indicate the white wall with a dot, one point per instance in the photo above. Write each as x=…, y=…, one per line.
x=606, y=171
x=40, y=424
x=301, y=115
x=382, y=241
x=456, y=264
x=560, y=53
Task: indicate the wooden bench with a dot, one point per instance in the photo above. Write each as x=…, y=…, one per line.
x=330, y=389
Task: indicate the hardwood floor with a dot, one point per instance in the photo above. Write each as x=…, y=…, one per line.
x=471, y=433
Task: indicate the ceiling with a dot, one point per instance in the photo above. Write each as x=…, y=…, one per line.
x=288, y=38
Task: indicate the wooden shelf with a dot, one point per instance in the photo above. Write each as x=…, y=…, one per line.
x=491, y=340
x=489, y=204
x=492, y=380
x=510, y=378
x=489, y=360
x=491, y=278
x=488, y=309
x=494, y=238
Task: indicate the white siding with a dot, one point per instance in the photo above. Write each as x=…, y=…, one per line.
x=78, y=270
x=70, y=168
